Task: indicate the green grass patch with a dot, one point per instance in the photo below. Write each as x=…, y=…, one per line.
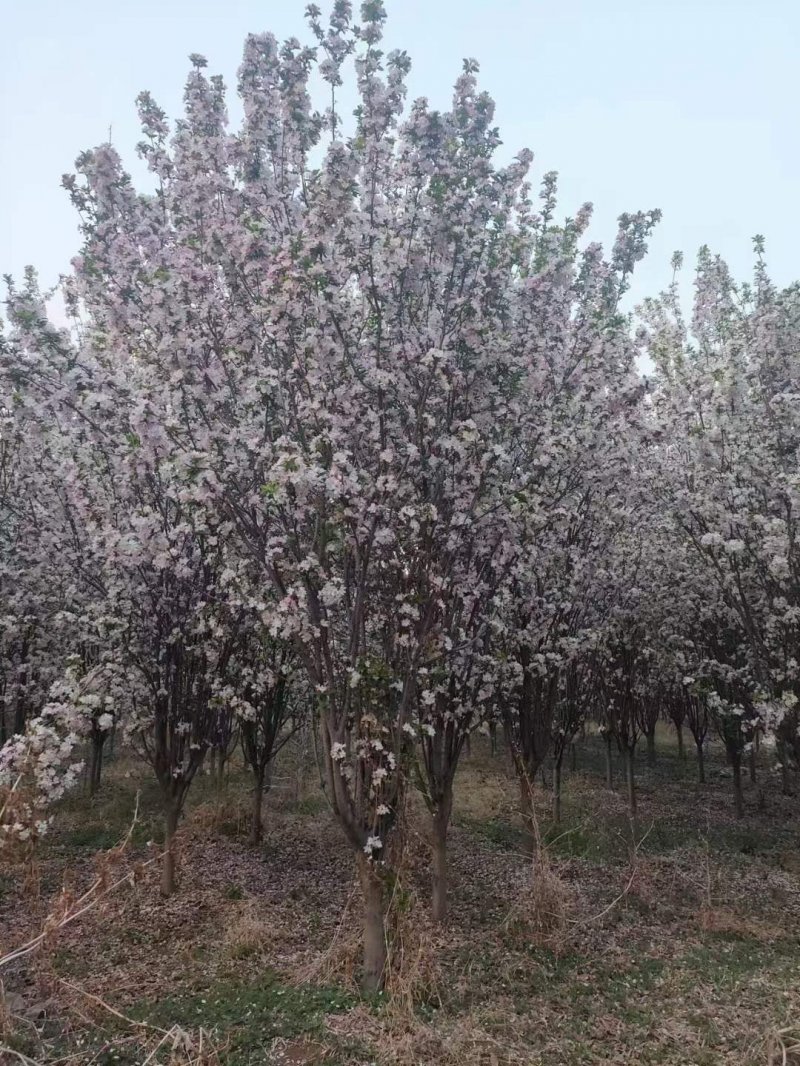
x=248, y=1017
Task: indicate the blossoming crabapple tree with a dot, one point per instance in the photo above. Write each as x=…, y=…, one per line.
x=574, y=437
x=269, y=701
x=45, y=570
x=358, y=357
x=728, y=389
x=331, y=342
x=137, y=543
x=36, y=630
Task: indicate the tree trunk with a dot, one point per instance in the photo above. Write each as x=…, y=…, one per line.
x=751, y=761
x=20, y=710
x=609, y=764
x=630, y=779
x=257, y=825
x=212, y=763
x=468, y=745
x=738, y=801
x=168, y=862
x=651, y=748
x=573, y=756
x=526, y=809
x=96, y=767
x=786, y=780
x=679, y=733
x=701, y=764
x=439, y=865
x=493, y=738
x=557, y=792
x=374, y=970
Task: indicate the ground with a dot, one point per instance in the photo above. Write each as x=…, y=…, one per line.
x=674, y=941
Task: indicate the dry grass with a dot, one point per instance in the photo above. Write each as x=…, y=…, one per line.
x=540, y=915
x=783, y=1047
x=414, y=943
x=675, y=946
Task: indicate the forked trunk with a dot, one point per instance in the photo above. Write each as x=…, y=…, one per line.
x=372, y=887
x=168, y=861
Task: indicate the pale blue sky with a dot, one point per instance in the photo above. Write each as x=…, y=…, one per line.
x=686, y=106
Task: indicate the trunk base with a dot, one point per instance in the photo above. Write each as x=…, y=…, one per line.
x=374, y=970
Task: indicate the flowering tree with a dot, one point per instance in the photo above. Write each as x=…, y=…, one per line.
x=145, y=559
x=267, y=701
x=37, y=630
x=728, y=384
x=572, y=708
x=355, y=363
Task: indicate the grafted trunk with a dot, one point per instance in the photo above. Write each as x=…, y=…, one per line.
x=372, y=887
x=630, y=780
x=609, y=764
x=701, y=763
x=168, y=861
x=651, y=748
x=738, y=798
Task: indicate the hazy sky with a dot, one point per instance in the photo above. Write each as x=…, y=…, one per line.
x=686, y=105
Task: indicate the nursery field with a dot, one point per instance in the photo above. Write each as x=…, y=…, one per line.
x=674, y=941
x=399, y=592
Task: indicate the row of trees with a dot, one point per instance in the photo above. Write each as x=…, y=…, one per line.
x=346, y=424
